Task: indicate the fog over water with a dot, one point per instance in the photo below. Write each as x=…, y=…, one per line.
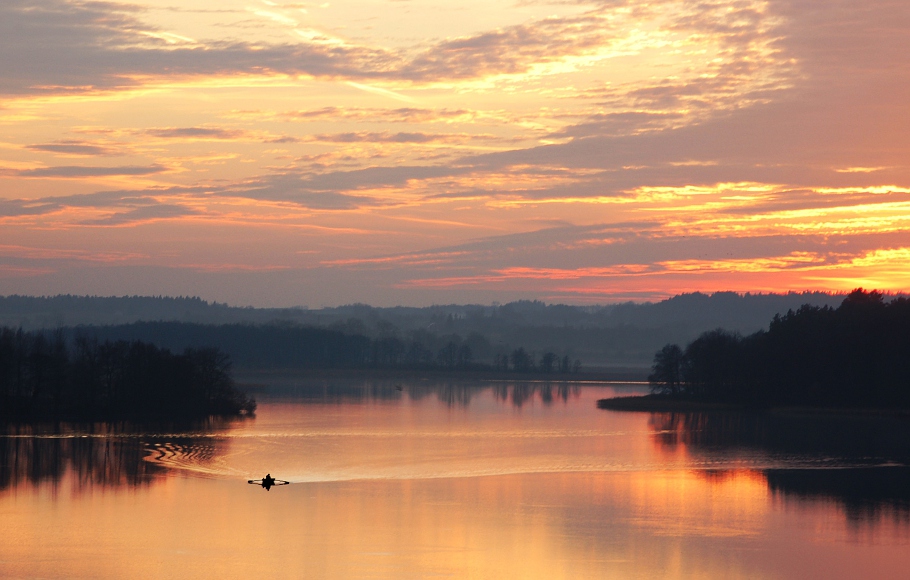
x=418, y=479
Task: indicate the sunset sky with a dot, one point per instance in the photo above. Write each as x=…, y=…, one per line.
x=416, y=152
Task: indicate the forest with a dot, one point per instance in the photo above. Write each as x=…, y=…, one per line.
x=604, y=335
x=854, y=356
x=46, y=376
x=293, y=346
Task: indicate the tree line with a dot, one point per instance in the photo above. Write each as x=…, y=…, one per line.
x=46, y=376
x=601, y=335
x=855, y=355
x=292, y=346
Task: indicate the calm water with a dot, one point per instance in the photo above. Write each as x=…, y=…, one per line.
x=453, y=480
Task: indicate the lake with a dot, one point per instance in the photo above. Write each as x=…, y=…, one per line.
x=448, y=479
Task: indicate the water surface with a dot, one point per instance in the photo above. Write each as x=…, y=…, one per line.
x=421, y=479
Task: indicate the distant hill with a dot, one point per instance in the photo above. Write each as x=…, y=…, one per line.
x=625, y=334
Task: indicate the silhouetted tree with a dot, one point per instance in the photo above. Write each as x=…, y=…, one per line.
x=548, y=362
x=463, y=356
x=521, y=361
x=666, y=373
x=448, y=355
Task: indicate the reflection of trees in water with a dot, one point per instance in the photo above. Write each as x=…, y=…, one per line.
x=851, y=437
x=850, y=451
x=452, y=394
x=519, y=393
x=92, y=460
x=866, y=494
x=455, y=393
x=96, y=455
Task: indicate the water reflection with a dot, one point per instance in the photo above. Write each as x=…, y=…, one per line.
x=519, y=393
x=452, y=393
x=409, y=484
x=865, y=494
x=102, y=454
x=136, y=454
x=860, y=462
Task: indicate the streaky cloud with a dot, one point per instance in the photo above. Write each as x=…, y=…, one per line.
x=71, y=171
x=195, y=132
x=396, y=137
x=296, y=189
x=74, y=147
x=143, y=214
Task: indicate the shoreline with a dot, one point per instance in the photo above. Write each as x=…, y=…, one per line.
x=664, y=404
x=661, y=404
x=246, y=377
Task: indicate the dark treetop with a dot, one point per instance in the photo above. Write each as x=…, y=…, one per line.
x=44, y=376
x=857, y=355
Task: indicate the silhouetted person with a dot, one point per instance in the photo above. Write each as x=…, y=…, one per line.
x=268, y=481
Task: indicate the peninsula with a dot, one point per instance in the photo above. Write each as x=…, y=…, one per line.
x=850, y=357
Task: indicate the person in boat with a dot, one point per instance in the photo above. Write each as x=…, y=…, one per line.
x=268, y=480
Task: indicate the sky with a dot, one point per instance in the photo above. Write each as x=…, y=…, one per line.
x=422, y=152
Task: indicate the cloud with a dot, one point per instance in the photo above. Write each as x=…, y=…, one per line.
x=371, y=177
x=119, y=198
x=20, y=207
x=143, y=214
x=74, y=171
x=202, y=133
x=74, y=147
x=26, y=254
x=776, y=142
x=296, y=189
x=610, y=251
x=55, y=46
x=305, y=191
x=396, y=137
x=284, y=139
x=617, y=124
x=398, y=115
x=100, y=201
